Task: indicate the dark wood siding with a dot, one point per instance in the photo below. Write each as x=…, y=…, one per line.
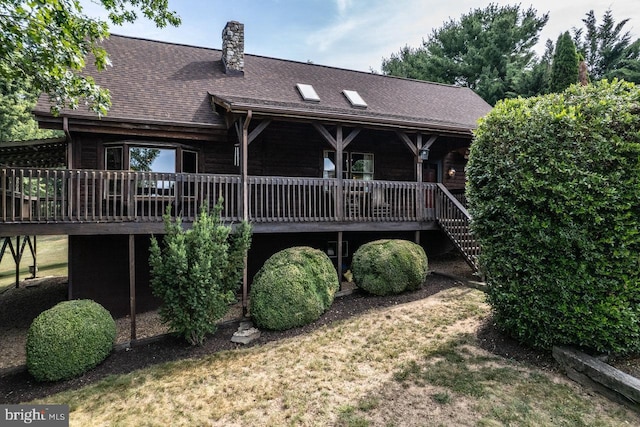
x=99, y=270
x=217, y=157
x=291, y=149
x=287, y=149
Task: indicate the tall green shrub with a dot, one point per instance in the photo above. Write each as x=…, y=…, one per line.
x=554, y=192
x=198, y=272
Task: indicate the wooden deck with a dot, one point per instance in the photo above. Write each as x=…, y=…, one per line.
x=57, y=201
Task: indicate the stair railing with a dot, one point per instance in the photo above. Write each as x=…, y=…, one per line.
x=454, y=220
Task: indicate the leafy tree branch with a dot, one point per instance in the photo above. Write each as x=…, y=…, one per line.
x=48, y=43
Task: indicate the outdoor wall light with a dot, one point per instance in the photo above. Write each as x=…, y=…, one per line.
x=424, y=154
x=451, y=172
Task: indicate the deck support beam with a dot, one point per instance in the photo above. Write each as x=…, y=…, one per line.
x=244, y=152
x=132, y=285
x=340, y=255
x=339, y=174
x=18, y=251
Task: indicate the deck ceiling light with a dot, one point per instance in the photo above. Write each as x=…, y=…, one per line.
x=451, y=172
x=424, y=154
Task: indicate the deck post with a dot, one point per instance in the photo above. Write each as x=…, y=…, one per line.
x=245, y=204
x=34, y=255
x=69, y=268
x=420, y=209
x=339, y=175
x=132, y=285
x=16, y=259
x=339, y=266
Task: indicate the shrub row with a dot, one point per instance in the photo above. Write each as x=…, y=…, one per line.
x=297, y=285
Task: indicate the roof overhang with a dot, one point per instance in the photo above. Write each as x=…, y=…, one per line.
x=130, y=126
x=274, y=110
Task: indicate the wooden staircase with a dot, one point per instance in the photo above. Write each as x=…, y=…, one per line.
x=454, y=220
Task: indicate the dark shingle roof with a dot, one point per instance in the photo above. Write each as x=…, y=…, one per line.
x=160, y=82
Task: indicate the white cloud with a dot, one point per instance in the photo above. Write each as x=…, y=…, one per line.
x=371, y=33
x=342, y=6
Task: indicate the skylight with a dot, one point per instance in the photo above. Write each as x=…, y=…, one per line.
x=355, y=99
x=308, y=92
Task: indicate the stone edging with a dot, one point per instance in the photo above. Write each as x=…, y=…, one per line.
x=598, y=375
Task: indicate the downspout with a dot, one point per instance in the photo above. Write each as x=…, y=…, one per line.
x=245, y=204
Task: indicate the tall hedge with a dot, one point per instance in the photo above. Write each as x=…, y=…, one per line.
x=554, y=192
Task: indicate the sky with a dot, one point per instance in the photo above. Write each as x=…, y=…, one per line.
x=352, y=34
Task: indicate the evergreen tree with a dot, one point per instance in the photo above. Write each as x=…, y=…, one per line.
x=487, y=50
x=197, y=272
x=536, y=80
x=564, y=69
x=608, y=50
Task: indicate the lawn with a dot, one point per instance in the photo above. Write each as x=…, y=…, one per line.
x=411, y=364
x=51, y=258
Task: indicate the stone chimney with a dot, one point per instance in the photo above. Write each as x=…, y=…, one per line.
x=233, y=48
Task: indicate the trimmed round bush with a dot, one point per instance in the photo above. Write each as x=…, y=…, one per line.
x=554, y=192
x=293, y=288
x=69, y=339
x=389, y=266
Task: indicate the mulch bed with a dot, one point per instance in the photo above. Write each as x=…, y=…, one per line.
x=19, y=386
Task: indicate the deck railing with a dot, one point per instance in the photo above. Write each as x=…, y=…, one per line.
x=74, y=196
x=287, y=199
x=71, y=196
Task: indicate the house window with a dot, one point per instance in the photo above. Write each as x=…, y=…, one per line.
x=156, y=160
x=189, y=161
x=356, y=165
x=113, y=161
x=113, y=158
x=143, y=159
x=329, y=164
x=361, y=166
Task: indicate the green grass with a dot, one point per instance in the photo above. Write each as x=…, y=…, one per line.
x=51, y=259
